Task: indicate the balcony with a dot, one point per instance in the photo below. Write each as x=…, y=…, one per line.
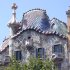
x=6, y=60
x=57, y=56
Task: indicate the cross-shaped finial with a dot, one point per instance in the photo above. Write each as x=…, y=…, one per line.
x=14, y=7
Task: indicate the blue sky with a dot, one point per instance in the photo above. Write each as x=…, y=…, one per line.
x=54, y=8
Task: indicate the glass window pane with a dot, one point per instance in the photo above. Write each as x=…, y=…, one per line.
x=40, y=52
x=58, y=48
x=18, y=55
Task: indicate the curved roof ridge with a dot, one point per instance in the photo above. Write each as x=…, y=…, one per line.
x=33, y=10
x=40, y=31
x=59, y=20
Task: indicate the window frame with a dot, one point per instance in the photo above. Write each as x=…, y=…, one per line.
x=58, y=48
x=18, y=55
x=42, y=53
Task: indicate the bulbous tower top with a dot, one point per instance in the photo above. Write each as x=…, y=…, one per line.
x=13, y=18
x=13, y=24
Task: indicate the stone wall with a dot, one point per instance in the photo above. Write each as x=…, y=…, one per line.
x=4, y=55
x=38, y=40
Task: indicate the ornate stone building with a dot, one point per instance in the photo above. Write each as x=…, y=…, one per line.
x=37, y=35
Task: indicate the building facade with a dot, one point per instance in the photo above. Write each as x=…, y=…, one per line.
x=38, y=36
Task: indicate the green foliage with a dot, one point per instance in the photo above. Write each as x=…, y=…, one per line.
x=14, y=65
x=40, y=64
x=2, y=67
x=32, y=64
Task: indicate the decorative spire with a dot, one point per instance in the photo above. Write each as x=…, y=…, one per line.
x=14, y=7
x=13, y=19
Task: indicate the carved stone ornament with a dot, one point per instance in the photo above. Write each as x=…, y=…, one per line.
x=16, y=44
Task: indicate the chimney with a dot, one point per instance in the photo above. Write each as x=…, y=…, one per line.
x=68, y=34
x=68, y=26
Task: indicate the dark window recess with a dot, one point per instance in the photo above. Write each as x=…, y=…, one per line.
x=29, y=37
x=58, y=48
x=18, y=55
x=40, y=52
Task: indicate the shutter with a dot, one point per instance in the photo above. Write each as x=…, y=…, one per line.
x=36, y=52
x=52, y=49
x=20, y=55
x=16, y=53
x=43, y=52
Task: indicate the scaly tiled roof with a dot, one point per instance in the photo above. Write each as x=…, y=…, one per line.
x=5, y=44
x=58, y=26
x=36, y=18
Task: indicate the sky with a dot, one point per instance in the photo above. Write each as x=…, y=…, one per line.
x=54, y=8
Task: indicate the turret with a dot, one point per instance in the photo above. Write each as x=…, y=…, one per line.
x=13, y=24
x=14, y=28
